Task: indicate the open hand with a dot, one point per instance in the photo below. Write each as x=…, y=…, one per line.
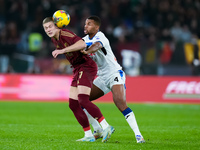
x=56, y=52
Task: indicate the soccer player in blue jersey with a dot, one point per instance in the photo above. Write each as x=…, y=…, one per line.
x=110, y=76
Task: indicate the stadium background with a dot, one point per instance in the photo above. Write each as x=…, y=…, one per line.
x=156, y=42
x=149, y=38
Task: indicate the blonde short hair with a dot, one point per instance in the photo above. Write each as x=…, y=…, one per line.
x=47, y=19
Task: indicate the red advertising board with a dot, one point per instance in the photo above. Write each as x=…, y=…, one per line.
x=140, y=89
x=34, y=87
x=163, y=89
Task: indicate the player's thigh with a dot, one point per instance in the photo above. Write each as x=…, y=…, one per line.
x=100, y=84
x=118, y=88
x=95, y=93
x=73, y=93
x=117, y=78
x=117, y=84
x=81, y=89
x=86, y=77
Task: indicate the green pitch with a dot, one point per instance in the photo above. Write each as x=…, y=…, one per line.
x=52, y=126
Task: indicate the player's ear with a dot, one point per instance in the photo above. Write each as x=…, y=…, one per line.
x=97, y=27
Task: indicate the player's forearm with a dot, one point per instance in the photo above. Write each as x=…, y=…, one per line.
x=94, y=47
x=79, y=45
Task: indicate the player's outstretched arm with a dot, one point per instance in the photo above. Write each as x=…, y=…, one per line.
x=75, y=47
x=93, y=48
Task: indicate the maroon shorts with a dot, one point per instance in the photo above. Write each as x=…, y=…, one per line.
x=84, y=74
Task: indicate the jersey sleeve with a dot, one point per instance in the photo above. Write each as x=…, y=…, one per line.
x=101, y=38
x=70, y=36
x=76, y=38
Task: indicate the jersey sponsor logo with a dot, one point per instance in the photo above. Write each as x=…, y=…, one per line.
x=183, y=89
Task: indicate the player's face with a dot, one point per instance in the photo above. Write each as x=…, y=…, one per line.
x=90, y=27
x=50, y=29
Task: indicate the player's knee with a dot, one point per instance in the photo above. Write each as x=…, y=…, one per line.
x=120, y=103
x=119, y=99
x=83, y=99
x=73, y=104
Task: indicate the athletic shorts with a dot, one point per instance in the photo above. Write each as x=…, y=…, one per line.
x=105, y=83
x=84, y=74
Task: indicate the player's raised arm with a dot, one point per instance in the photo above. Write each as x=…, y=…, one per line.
x=79, y=45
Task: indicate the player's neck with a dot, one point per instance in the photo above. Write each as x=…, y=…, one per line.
x=57, y=35
x=92, y=35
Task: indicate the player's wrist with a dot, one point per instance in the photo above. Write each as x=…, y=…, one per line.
x=64, y=50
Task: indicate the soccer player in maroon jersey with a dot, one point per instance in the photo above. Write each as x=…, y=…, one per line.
x=84, y=72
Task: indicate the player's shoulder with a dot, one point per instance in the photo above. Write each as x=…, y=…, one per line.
x=99, y=33
x=66, y=32
x=85, y=37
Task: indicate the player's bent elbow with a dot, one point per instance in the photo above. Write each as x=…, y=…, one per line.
x=82, y=44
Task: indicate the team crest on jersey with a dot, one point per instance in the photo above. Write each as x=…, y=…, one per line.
x=97, y=37
x=57, y=46
x=65, y=44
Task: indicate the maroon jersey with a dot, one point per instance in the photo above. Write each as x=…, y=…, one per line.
x=68, y=38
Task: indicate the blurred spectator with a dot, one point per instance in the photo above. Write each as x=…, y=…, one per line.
x=35, y=43
x=9, y=39
x=176, y=31
x=185, y=34
x=131, y=61
x=192, y=54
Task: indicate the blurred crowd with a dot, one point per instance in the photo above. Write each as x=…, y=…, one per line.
x=123, y=21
